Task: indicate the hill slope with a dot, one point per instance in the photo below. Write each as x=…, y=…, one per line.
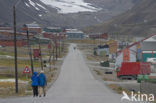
x=68, y=13
x=140, y=21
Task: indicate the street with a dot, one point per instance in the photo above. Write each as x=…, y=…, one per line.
x=75, y=84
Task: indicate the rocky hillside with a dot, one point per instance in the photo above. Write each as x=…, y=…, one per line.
x=67, y=13
x=138, y=21
x=26, y=12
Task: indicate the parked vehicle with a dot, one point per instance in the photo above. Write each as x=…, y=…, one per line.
x=151, y=60
x=130, y=70
x=105, y=63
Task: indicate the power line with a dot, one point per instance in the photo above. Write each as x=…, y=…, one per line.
x=17, y=3
x=30, y=15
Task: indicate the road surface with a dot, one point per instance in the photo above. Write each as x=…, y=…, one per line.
x=75, y=84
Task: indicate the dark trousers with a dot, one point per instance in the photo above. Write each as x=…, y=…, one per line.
x=35, y=90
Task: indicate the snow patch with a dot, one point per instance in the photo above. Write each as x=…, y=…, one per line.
x=12, y=80
x=42, y=6
x=34, y=5
x=27, y=5
x=71, y=6
x=40, y=15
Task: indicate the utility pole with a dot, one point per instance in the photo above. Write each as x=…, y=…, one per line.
x=63, y=45
x=30, y=53
x=50, y=54
x=56, y=46
x=56, y=49
x=40, y=53
x=15, y=50
x=59, y=47
x=54, y=54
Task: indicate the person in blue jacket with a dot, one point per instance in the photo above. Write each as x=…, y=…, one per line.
x=42, y=84
x=35, y=83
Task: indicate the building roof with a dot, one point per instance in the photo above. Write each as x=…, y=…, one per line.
x=79, y=32
x=148, y=46
x=53, y=27
x=71, y=29
x=151, y=39
x=32, y=25
x=148, y=39
x=74, y=31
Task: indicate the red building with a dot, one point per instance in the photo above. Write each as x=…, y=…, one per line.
x=20, y=43
x=7, y=38
x=99, y=36
x=32, y=28
x=50, y=35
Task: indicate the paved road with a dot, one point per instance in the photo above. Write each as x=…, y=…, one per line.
x=74, y=85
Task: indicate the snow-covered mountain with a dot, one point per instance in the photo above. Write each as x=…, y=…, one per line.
x=67, y=13
x=71, y=6
x=26, y=10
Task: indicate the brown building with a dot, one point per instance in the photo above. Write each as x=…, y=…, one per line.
x=20, y=43
x=99, y=36
x=113, y=46
x=7, y=38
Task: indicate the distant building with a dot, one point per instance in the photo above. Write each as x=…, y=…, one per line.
x=127, y=54
x=122, y=44
x=53, y=29
x=138, y=51
x=113, y=46
x=7, y=38
x=58, y=36
x=37, y=39
x=32, y=28
x=54, y=33
x=74, y=34
x=98, y=36
x=102, y=50
x=148, y=48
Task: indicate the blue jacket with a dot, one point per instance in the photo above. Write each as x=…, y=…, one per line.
x=34, y=79
x=42, y=80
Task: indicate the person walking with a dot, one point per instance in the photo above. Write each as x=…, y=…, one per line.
x=35, y=82
x=42, y=84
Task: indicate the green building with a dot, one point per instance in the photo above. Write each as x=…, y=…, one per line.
x=74, y=34
x=148, y=47
x=53, y=29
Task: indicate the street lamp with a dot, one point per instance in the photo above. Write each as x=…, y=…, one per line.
x=39, y=42
x=30, y=51
x=56, y=46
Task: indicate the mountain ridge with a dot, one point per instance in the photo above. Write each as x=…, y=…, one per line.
x=29, y=11
x=138, y=21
